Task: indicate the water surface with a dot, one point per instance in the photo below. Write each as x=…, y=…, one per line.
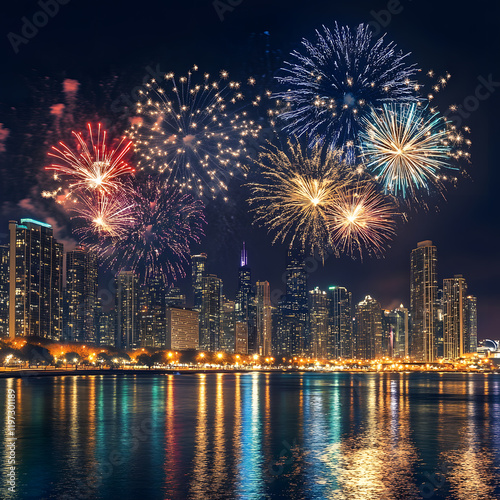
x=256, y=436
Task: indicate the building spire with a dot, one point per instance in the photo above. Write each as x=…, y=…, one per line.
x=244, y=257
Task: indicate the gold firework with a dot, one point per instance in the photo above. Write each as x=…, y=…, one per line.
x=298, y=189
x=360, y=218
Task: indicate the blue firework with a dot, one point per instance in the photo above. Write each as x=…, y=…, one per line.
x=337, y=80
x=408, y=149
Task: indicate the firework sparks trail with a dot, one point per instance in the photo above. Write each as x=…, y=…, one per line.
x=194, y=132
x=360, y=218
x=408, y=149
x=299, y=184
x=94, y=165
x=337, y=80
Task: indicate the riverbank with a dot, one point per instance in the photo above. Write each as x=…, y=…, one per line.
x=63, y=372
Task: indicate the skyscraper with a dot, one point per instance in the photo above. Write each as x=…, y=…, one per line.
x=263, y=317
x=81, y=295
x=369, y=331
x=183, y=328
x=471, y=324
x=35, y=271
x=151, y=313
x=175, y=297
x=293, y=310
x=439, y=338
x=228, y=327
x=198, y=264
x=318, y=323
x=423, y=310
x=340, y=329
x=105, y=325
x=127, y=305
x=455, y=317
x=397, y=332
x=4, y=290
x=210, y=316
x=241, y=337
x=244, y=304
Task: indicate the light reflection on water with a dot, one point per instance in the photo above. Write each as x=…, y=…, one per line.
x=256, y=436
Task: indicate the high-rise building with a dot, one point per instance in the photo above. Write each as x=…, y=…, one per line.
x=263, y=317
x=35, y=278
x=241, y=337
x=4, y=290
x=81, y=295
x=439, y=335
x=228, y=328
x=455, y=317
x=127, y=308
x=175, y=297
x=183, y=329
x=340, y=329
x=151, y=315
x=318, y=323
x=471, y=324
x=423, y=310
x=210, y=316
x=369, y=331
x=244, y=304
x=198, y=264
x=396, y=336
x=105, y=327
x=293, y=339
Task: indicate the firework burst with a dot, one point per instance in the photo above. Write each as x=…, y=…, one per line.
x=360, y=218
x=194, y=131
x=103, y=216
x=299, y=184
x=337, y=81
x=94, y=166
x=407, y=148
x=162, y=226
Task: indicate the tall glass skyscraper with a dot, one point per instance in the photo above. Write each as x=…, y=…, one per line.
x=369, y=331
x=318, y=323
x=455, y=317
x=263, y=317
x=423, y=295
x=4, y=290
x=396, y=332
x=340, y=329
x=198, y=264
x=152, y=310
x=35, y=270
x=228, y=327
x=293, y=327
x=244, y=304
x=471, y=323
x=81, y=295
x=210, y=316
x=127, y=308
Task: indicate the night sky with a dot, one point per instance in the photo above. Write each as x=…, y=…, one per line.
x=107, y=46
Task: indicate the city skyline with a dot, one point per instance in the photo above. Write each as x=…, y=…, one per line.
x=439, y=321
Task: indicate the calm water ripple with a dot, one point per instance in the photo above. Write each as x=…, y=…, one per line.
x=256, y=436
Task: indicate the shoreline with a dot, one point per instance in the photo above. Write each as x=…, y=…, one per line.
x=36, y=373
